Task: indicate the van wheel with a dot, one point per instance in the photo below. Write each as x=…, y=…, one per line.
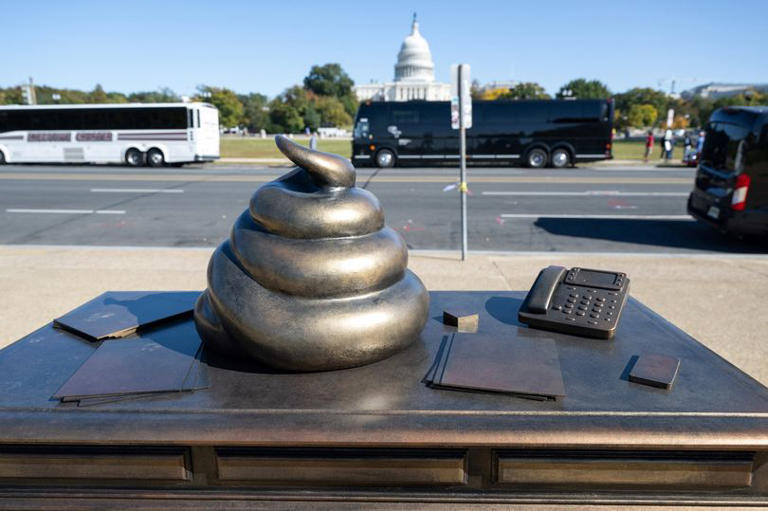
x=536, y=158
x=385, y=159
x=155, y=157
x=561, y=158
x=134, y=157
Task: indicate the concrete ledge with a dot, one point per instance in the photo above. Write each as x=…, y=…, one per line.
x=718, y=299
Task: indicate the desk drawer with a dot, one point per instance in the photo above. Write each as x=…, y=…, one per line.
x=343, y=467
x=90, y=466
x=674, y=471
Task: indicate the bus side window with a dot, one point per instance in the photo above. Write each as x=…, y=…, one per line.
x=198, y=117
x=190, y=118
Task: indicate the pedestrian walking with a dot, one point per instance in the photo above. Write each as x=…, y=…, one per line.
x=686, y=146
x=667, y=145
x=648, y=145
x=313, y=141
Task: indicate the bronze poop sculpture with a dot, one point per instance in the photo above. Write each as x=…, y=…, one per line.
x=310, y=279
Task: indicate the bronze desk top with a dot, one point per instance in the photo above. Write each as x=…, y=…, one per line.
x=712, y=405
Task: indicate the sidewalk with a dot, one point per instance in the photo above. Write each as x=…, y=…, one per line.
x=718, y=299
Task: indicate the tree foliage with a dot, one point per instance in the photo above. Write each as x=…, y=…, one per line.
x=641, y=116
x=162, y=95
x=581, y=88
x=331, y=80
x=255, y=112
x=525, y=90
x=230, y=108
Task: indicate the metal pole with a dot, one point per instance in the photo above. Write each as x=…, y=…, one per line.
x=463, y=169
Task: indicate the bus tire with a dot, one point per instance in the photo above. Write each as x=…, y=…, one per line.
x=2, y=158
x=536, y=158
x=560, y=158
x=155, y=157
x=385, y=159
x=134, y=157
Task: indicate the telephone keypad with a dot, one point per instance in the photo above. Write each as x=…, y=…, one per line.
x=588, y=306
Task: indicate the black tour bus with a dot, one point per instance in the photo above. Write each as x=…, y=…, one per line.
x=534, y=133
x=731, y=188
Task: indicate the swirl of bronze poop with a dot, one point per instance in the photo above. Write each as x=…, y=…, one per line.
x=310, y=278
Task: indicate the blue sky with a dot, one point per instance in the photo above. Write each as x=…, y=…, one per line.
x=265, y=46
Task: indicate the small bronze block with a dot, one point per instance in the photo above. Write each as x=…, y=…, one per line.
x=463, y=320
x=655, y=370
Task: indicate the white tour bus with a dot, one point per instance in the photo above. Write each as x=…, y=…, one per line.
x=133, y=134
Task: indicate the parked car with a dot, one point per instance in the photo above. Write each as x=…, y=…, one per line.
x=731, y=188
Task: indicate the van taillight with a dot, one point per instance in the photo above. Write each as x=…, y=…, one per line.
x=739, y=198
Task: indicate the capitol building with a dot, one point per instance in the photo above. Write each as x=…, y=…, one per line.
x=414, y=75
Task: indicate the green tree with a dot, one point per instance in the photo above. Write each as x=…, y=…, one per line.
x=332, y=111
x=225, y=100
x=331, y=80
x=161, y=95
x=311, y=118
x=582, y=88
x=525, y=90
x=98, y=95
x=641, y=116
x=255, y=112
x=642, y=96
x=11, y=96
x=284, y=118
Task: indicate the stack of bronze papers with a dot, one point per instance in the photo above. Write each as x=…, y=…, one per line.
x=528, y=368
x=155, y=348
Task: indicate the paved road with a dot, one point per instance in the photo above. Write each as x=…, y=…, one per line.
x=605, y=209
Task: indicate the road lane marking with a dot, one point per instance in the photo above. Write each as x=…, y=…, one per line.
x=235, y=178
x=137, y=190
x=602, y=217
x=591, y=193
x=68, y=211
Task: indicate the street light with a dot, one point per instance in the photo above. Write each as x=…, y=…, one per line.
x=56, y=97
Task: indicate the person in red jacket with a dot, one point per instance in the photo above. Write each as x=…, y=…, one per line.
x=648, y=145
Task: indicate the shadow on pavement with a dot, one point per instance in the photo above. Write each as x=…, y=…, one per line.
x=667, y=233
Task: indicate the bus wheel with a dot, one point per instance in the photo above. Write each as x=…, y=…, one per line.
x=2, y=158
x=560, y=158
x=536, y=158
x=134, y=157
x=385, y=159
x=155, y=158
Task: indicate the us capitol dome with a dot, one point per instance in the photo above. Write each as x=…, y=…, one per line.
x=414, y=75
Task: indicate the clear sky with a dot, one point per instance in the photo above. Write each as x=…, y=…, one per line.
x=266, y=46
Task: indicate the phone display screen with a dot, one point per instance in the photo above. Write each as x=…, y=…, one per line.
x=595, y=278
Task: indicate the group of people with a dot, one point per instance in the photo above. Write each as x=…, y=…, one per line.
x=668, y=144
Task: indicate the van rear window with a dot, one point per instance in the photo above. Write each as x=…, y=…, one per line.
x=724, y=146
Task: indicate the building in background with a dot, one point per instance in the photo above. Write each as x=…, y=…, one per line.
x=719, y=90
x=414, y=75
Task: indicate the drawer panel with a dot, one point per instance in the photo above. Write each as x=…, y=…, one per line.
x=170, y=466
x=347, y=468
x=689, y=474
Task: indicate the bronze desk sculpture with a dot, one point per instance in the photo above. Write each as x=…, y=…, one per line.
x=310, y=278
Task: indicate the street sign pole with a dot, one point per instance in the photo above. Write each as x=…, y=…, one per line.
x=461, y=118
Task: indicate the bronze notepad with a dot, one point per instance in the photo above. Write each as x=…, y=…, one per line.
x=163, y=361
x=116, y=314
x=523, y=367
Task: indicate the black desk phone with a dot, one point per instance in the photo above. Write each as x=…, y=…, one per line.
x=578, y=301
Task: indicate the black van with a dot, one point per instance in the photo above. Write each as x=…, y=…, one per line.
x=731, y=189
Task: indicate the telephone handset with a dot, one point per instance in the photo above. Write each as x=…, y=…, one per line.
x=578, y=301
